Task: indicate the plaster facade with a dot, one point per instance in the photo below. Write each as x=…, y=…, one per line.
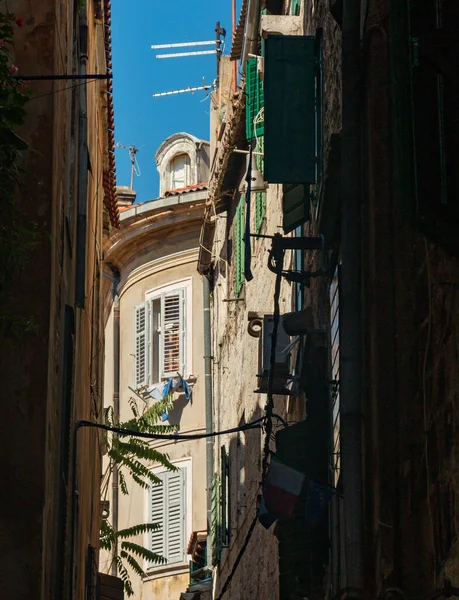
x=156, y=248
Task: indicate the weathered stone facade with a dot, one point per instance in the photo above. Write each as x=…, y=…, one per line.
x=408, y=243
x=53, y=373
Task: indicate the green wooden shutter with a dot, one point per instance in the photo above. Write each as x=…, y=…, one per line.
x=239, y=246
x=260, y=197
x=223, y=467
x=295, y=7
x=290, y=115
x=215, y=525
x=254, y=100
x=140, y=350
x=295, y=206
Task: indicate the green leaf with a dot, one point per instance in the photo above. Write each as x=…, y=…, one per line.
x=8, y=136
x=142, y=552
x=122, y=481
x=133, y=564
x=138, y=530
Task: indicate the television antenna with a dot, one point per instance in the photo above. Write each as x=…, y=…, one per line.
x=135, y=169
x=219, y=33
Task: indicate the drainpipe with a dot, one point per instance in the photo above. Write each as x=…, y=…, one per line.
x=116, y=411
x=209, y=413
x=350, y=302
x=80, y=268
x=251, y=31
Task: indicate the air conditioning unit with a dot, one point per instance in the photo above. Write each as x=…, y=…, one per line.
x=281, y=362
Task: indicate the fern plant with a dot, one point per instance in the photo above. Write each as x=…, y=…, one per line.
x=130, y=456
x=128, y=552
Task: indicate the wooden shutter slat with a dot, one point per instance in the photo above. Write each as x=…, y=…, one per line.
x=158, y=515
x=140, y=345
x=172, y=333
x=176, y=482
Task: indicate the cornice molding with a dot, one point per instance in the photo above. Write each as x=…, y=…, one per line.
x=156, y=266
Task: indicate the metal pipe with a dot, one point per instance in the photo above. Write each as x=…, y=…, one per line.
x=80, y=269
x=233, y=11
x=82, y=198
x=350, y=303
x=209, y=412
x=116, y=411
x=250, y=45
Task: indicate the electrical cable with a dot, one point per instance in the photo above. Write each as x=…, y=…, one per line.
x=169, y=436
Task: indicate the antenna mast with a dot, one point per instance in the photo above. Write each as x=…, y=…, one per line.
x=135, y=169
x=219, y=33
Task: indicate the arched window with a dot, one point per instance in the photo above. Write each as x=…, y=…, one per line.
x=179, y=171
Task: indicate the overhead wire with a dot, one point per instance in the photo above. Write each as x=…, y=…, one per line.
x=169, y=436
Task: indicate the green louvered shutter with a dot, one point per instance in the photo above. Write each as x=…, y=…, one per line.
x=224, y=491
x=290, y=115
x=295, y=7
x=215, y=525
x=260, y=197
x=254, y=100
x=295, y=206
x=239, y=246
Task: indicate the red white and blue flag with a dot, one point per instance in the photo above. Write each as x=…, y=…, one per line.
x=282, y=489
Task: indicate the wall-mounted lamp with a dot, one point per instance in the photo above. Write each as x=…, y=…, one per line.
x=258, y=183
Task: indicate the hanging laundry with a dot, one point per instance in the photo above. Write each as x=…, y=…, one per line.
x=282, y=489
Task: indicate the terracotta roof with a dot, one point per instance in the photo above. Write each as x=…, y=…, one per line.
x=238, y=35
x=196, y=187
x=109, y=182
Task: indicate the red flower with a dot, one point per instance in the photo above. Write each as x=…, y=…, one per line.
x=20, y=22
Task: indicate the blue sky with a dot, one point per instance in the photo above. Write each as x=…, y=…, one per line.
x=141, y=119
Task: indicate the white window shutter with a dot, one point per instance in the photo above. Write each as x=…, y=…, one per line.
x=140, y=351
x=158, y=515
x=172, y=333
x=176, y=516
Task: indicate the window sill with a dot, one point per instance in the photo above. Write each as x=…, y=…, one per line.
x=165, y=571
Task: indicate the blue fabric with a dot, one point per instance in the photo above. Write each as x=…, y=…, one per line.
x=167, y=388
x=266, y=519
x=317, y=501
x=247, y=245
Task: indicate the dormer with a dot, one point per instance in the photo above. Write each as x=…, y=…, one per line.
x=182, y=161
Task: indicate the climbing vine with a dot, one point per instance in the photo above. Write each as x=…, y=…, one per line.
x=17, y=238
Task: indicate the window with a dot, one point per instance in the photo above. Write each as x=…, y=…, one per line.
x=239, y=231
x=161, y=325
x=168, y=508
x=179, y=171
